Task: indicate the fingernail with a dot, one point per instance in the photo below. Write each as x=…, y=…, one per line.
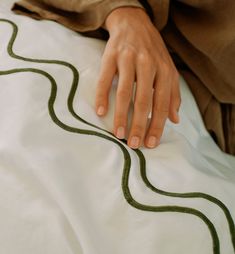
x=121, y=132
x=134, y=142
x=152, y=142
x=100, y=110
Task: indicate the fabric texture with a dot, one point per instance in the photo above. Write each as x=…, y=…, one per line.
x=200, y=34
x=68, y=186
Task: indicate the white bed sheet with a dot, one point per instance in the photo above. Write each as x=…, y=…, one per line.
x=67, y=192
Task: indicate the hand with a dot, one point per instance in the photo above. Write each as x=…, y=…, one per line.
x=136, y=51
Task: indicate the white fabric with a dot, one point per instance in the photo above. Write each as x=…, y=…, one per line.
x=61, y=192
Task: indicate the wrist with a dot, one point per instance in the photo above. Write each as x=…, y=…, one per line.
x=125, y=15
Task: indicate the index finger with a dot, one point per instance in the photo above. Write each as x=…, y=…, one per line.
x=107, y=72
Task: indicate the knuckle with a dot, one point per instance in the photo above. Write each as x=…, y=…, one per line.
x=124, y=94
x=156, y=131
x=157, y=123
x=102, y=94
x=164, y=66
x=101, y=99
x=112, y=53
x=137, y=129
x=128, y=53
x=101, y=80
x=163, y=93
x=108, y=56
x=141, y=105
x=162, y=109
x=144, y=57
x=120, y=119
x=160, y=92
x=167, y=70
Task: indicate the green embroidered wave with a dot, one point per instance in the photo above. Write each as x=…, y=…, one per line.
x=127, y=158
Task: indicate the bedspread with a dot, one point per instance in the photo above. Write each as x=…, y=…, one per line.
x=67, y=185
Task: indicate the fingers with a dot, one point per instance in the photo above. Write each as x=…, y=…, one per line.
x=142, y=103
x=160, y=109
x=107, y=72
x=161, y=91
x=124, y=93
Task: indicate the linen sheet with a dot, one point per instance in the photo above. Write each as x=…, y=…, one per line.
x=67, y=185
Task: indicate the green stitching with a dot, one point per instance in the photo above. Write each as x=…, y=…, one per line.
x=127, y=161
x=125, y=187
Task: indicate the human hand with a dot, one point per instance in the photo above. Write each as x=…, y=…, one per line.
x=136, y=51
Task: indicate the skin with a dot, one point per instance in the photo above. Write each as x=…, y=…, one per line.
x=136, y=52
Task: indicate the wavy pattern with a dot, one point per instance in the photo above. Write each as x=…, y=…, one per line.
x=127, y=158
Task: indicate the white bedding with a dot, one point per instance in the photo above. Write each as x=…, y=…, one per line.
x=69, y=187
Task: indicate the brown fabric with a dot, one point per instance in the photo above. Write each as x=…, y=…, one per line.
x=78, y=15
x=200, y=34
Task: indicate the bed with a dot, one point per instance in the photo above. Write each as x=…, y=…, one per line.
x=68, y=186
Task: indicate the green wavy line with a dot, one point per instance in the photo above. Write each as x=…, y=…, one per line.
x=126, y=171
x=153, y=188
x=127, y=161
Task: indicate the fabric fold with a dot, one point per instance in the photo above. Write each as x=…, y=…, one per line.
x=200, y=34
x=81, y=16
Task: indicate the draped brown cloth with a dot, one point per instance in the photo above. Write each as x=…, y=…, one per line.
x=200, y=35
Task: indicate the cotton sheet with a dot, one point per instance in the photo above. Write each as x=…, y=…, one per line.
x=67, y=185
